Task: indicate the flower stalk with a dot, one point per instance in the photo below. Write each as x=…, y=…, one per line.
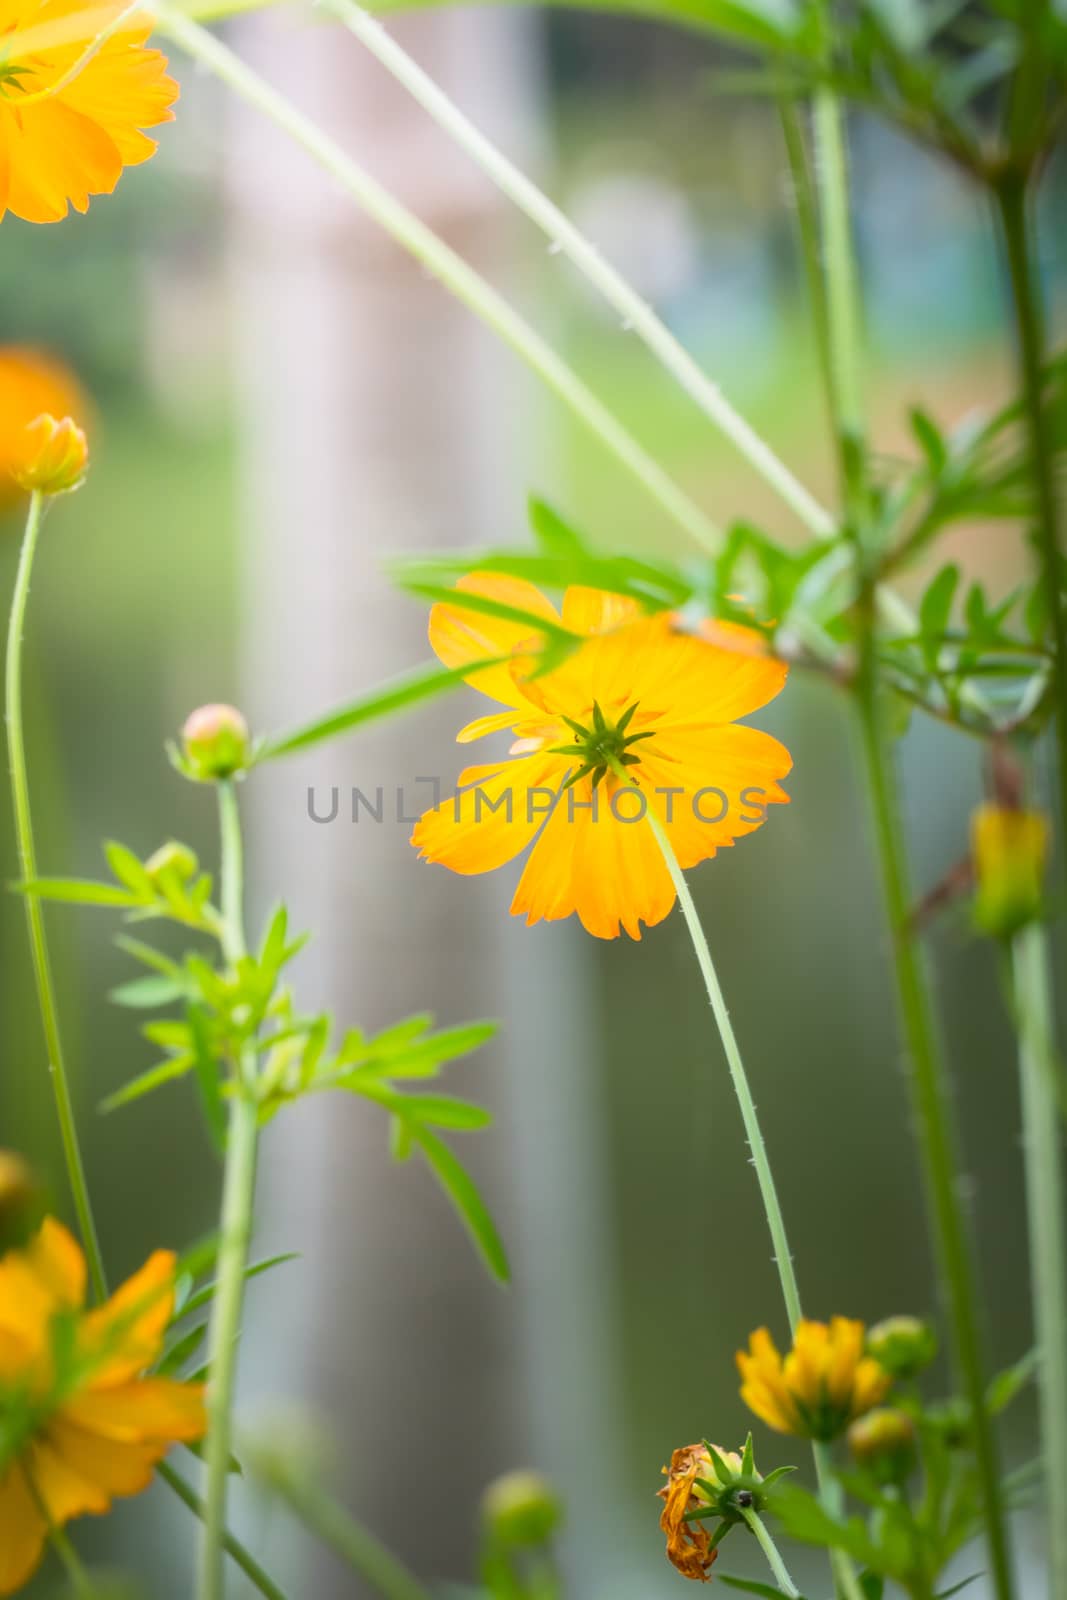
x=1015, y=225
x=42, y=965
x=235, y=1229
x=770, y=1550
x=844, y=1573
x=1046, y=1197
x=928, y=1079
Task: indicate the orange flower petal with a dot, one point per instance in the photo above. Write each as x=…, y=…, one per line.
x=492, y=817
x=58, y=158
x=128, y=1331
x=145, y=1410
x=22, y=1531
x=462, y=638
x=597, y=610
x=116, y=1467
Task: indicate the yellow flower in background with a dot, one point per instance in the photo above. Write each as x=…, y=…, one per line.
x=79, y=1424
x=689, y=1546
x=638, y=692
x=820, y=1386
x=56, y=456
x=1010, y=849
x=72, y=109
x=32, y=384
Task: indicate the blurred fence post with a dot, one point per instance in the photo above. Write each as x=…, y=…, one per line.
x=375, y=418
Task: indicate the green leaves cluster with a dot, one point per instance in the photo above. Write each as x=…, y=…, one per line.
x=238, y=1020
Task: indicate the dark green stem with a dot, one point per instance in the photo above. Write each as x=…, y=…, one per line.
x=929, y=1089
x=1029, y=325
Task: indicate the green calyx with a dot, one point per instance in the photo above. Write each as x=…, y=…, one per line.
x=601, y=748
x=10, y=74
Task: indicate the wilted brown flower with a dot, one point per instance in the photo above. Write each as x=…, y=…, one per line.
x=689, y=1546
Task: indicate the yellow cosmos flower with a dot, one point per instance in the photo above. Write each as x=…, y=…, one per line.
x=638, y=694
x=74, y=99
x=32, y=384
x=823, y=1383
x=78, y=1422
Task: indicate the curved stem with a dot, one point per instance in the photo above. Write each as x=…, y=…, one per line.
x=636, y=313
x=783, y=1259
x=235, y=1232
x=770, y=1550
x=42, y=966
x=1029, y=325
x=1046, y=1197
x=330, y=1522
x=442, y=263
x=929, y=1088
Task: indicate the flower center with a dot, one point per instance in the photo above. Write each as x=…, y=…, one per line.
x=601, y=747
x=11, y=75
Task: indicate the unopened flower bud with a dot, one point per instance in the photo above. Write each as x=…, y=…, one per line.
x=215, y=743
x=172, y=860
x=904, y=1346
x=20, y=1201
x=1010, y=848
x=53, y=456
x=884, y=1442
x=521, y=1508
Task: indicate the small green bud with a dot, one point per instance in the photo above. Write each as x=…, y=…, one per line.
x=215, y=743
x=884, y=1442
x=904, y=1346
x=521, y=1508
x=172, y=860
x=21, y=1201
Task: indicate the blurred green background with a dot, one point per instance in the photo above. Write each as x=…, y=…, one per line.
x=135, y=617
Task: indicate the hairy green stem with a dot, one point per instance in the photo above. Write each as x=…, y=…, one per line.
x=841, y=296
x=238, y=1195
x=930, y=1095
x=1046, y=1197
x=442, y=263
x=637, y=315
x=807, y=213
x=770, y=1550
x=1030, y=332
x=42, y=966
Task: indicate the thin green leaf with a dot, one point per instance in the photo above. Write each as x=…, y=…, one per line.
x=77, y=891
x=154, y=1078
x=129, y=870
x=414, y=687
x=204, y=1296
x=463, y=1192
x=145, y=993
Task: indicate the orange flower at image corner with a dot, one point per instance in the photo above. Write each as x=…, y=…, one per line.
x=32, y=384
x=72, y=108
x=81, y=1423
x=638, y=690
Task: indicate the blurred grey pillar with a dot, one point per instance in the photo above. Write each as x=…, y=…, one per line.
x=376, y=417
